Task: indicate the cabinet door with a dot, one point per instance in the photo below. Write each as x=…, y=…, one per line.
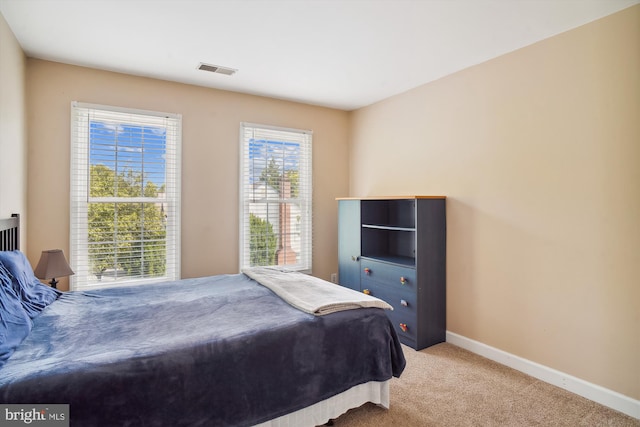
x=349, y=243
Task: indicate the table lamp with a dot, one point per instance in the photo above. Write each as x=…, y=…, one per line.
x=52, y=264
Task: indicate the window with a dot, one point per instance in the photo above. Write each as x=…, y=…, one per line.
x=125, y=196
x=275, y=197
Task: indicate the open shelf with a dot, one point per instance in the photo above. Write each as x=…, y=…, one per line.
x=389, y=213
x=388, y=242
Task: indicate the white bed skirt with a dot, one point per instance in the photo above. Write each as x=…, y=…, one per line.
x=331, y=408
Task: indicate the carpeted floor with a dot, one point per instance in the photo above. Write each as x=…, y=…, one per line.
x=445, y=385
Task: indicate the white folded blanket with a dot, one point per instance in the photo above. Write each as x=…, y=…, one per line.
x=310, y=294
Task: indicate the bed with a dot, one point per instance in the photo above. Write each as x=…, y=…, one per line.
x=212, y=351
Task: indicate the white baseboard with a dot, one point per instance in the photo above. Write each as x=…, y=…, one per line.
x=606, y=397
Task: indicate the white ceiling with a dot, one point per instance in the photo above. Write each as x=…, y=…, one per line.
x=337, y=53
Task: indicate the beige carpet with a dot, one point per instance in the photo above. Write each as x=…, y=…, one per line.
x=445, y=385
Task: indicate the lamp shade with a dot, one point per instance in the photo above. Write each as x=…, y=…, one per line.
x=52, y=264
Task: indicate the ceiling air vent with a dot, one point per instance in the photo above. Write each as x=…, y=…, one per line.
x=216, y=69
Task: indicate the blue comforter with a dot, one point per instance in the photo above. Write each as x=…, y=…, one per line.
x=216, y=351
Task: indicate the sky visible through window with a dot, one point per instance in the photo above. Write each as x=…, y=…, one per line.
x=126, y=147
x=261, y=151
x=142, y=149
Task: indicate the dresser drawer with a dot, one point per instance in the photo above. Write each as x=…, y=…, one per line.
x=401, y=301
x=406, y=325
x=396, y=276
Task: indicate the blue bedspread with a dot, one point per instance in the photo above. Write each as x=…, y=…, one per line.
x=215, y=351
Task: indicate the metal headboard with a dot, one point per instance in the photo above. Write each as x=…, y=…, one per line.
x=10, y=233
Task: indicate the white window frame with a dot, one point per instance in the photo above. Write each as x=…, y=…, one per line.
x=303, y=203
x=81, y=114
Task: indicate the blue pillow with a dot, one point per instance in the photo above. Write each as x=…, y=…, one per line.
x=15, y=323
x=34, y=295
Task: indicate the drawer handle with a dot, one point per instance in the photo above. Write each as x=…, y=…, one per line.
x=403, y=280
x=404, y=327
x=367, y=271
x=404, y=303
x=366, y=291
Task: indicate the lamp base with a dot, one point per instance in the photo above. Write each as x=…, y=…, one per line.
x=54, y=283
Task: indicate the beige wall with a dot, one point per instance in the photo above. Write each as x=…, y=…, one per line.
x=210, y=162
x=13, y=135
x=538, y=152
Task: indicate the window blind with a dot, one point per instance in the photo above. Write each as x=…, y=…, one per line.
x=125, y=196
x=275, y=197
